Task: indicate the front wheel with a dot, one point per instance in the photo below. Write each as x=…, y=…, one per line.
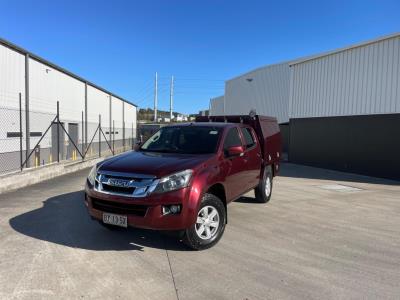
x=263, y=191
x=209, y=226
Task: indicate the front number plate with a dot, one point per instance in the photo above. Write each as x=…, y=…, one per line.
x=116, y=220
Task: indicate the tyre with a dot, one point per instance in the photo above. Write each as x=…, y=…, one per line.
x=209, y=226
x=263, y=191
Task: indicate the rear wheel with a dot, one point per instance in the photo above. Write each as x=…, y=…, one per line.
x=263, y=191
x=209, y=226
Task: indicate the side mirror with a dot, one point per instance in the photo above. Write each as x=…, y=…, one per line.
x=235, y=151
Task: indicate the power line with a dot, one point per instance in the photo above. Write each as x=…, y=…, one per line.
x=145, y=89
x=197, y=79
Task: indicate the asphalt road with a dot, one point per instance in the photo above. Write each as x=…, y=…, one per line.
x=314, y=240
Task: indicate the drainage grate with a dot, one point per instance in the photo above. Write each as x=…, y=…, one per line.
x=339, y=188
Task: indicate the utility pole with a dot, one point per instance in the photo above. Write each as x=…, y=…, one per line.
x=171, y=98
x=155, y=99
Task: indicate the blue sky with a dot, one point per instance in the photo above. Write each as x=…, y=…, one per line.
x=120, y=44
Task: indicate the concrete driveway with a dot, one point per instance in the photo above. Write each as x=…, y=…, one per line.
x=324, y=235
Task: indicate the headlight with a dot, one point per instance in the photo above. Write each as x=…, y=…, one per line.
x=174, y=182
x=92, y=175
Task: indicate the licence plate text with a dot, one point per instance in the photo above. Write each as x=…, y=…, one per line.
x=117, y=220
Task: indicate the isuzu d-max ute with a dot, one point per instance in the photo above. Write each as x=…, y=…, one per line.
x=183, y=177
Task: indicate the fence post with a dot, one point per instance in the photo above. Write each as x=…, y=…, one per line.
x=86, y=113
x=27, y=122
x=58, y=131
x=99, y=135
x=82, y=139
x=123, y=126
x=110, y=120
x=20, y=130
x=123, y=135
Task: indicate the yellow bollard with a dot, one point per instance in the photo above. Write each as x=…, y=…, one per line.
x=51, y=158
x=36, y=161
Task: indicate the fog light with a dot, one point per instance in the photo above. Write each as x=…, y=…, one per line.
x=171, y=209
x=174, y=209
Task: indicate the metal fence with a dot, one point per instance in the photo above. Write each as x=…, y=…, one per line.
x=53, y=139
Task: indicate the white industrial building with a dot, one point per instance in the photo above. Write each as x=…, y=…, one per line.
x=265, y=89
x=41, y=85
x=342, y=107
x=217, y=106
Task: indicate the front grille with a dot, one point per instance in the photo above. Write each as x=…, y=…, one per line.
x=119, y=208
x=125, y=184
x=117, y=189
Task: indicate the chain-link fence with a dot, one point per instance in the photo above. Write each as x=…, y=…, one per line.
x=53, y=139
x=12, y=132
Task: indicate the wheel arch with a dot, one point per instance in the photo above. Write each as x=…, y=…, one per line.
x=218, y=190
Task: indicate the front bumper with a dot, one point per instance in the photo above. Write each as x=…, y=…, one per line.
x=146, y=212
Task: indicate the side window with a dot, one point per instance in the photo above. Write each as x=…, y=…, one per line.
x=232, y=139
x=248, y=137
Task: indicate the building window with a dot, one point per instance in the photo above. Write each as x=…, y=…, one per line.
x=14, y=134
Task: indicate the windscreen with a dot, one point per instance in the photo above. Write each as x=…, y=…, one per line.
x=184, y=139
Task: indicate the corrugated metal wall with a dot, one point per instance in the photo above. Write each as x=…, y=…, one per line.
x=358, y=81
x=47, y=85
x=98, y=104
x=12, y=77
x=12, y=82
x=117, y=117
x=130, y=121
x=265, y=89
x=217, y=106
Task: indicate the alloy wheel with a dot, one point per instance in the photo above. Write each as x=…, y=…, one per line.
x=268, y=186
x=207, y=222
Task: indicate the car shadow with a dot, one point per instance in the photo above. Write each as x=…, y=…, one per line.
x=64, y=220
x=311, y=172
x=246, y=199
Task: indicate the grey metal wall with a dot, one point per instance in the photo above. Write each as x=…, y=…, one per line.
x=265, y=89
x=367, y=144
x=360, y=80
x=217, y=106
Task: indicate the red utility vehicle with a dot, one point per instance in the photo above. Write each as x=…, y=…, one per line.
x=183, y=177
